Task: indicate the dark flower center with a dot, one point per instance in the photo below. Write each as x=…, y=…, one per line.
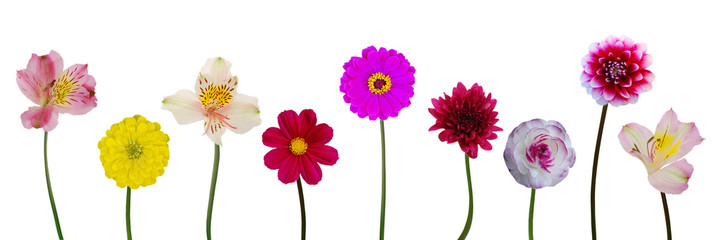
x=379, y=83
x=616, y=70
x=468, y=121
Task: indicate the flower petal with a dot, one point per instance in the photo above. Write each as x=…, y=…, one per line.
x=242, y=114
x=288, y=170
x=319, y=135
x=273, y=137
x=673, y=179
x=274, y=158
x=310, y=170
x=633, y=138
x=70, y=94
x=677, y=138
x=214, y=130
x=307, y=121
x=217, y=69
x=324, y=154
x=288, y=123
x=185, y=106
x=31, y=86
x=45, y=68
x=40, y=117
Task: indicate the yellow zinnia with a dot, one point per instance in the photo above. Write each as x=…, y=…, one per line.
x=134, y=152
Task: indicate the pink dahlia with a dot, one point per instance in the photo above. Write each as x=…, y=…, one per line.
x=378, y=84
x=615, y=71
x=468, y=117
x=300, y=145
x=54, y=90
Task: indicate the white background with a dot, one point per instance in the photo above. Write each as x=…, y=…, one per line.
x=290, y=56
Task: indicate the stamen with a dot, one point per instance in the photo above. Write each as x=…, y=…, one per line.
x=298, y=146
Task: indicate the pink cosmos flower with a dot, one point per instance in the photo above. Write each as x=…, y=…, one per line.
x=216, y=101
x=468, y=117
x=539, y=153
x=615, y=71
x=54, y=90
x=379, y=84
x=299, y=146
x=661, y=152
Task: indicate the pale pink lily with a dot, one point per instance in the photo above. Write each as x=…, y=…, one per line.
x=54, y=90
x=662, y=151
x=216, y=102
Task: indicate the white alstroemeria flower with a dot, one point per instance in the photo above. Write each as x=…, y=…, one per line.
x=216, y=102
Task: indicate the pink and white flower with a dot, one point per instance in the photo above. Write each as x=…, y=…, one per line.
x=539, y=153
x=661, y=152
x=615, y=71
x=215, y=101
x=54, y=90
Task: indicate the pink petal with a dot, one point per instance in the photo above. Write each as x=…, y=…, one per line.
x=288, y=170
x=273, y=137
x=307, y=120
x=40, y=117
x=31, y=86
x=609, y=92
x=319, y=135
x=288, y=123
x=597, y=81
x=633, y=138
x=310, y=170
x=78, y=100
x=646, y=61
x=325, y=155
x=677, y=138
x=274, y=158
x=673, y=179
x=45, y=68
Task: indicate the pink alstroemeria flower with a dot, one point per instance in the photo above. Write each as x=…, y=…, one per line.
x=216, y=101
x=54, y=90
x=660, y=151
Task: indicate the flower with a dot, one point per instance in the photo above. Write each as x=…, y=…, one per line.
x=468, y=117
x=615, y=71
x=134, y=152
x=216, y=102
x=54, y=90
x=299, y=146
x=659, y=151
x=379, y=84
x=539, y=153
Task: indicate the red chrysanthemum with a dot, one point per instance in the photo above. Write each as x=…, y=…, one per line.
x=615, y=71
x=468, y=117
x=300, y=145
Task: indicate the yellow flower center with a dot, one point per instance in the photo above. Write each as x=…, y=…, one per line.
x=62, y=89
x=379, y=83
x=215, y=97
x=298, y=146
x=134, y=150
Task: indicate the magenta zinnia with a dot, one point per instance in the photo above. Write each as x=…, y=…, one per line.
x=615, y=71
x=466, y=117
x=378, y=84
x=300, y=145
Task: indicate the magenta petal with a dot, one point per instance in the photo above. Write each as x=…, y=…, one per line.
x=307, y=120
x=391, y=64
x=373, y=107
x=274, y=158
x=325, y=155
x=288, y=123
x=40, y=117
x=373, y=61
x=319, y=135
x=597, y=81
x=385, y=108
x=288, y=170
x=310, y=170
x=609, y=93
x=273, y=137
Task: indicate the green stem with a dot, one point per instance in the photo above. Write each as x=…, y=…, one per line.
x=594, y=170
x=666, y=216
x=468, y=223
x=532, y=212
x=212, y=191
x=49, y=192
x=129, y=225
x=303, y=210
x=382, y=199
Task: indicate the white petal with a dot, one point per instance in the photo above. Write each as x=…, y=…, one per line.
x=673, y=179
x=185, y=106
x=217, y=69
x=242, y=113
